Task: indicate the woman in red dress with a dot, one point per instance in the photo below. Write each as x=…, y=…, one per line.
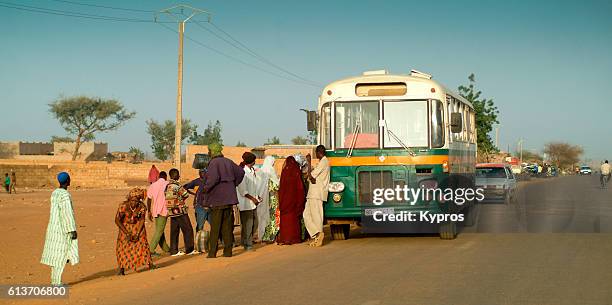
x=291, y=201
x=132, y=246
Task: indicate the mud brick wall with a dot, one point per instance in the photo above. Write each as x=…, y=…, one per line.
x=34, y=174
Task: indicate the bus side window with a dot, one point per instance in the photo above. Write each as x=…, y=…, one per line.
x=466, y=117
x=473, y=130
x=462, y=111
x=437, y=124
x=451, y=136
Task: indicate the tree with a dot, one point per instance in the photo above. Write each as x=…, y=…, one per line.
x=274, y=141
x=563, y=155
x=83, y=117
x=240, y=144
x=299, y=140
x=529, y=156
x=212, y=134
x=57, y=139
x=136, y=154
x=162, y=136
x=486, y=116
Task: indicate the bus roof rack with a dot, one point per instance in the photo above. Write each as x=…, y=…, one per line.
x=417, y=73
x=376, y=72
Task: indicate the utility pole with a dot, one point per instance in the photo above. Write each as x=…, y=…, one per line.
x=520, y=142
x=177, y=13
x=497, y=136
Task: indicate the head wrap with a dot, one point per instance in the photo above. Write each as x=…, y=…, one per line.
x=215, y=149
x=268, y=169
x=63, y=177
x=137, y=193
x=248, y=157
x=291, y=193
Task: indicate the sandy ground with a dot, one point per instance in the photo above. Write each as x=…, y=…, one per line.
x=476, y=268
x=24, y=217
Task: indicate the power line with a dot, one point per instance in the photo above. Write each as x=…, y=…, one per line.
x=255, y=54
x=239, y=60
x=243, y=48
x=49, y=11
x=104, y=6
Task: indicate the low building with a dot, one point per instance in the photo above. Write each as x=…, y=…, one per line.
x=88, y=151
x=12, y=150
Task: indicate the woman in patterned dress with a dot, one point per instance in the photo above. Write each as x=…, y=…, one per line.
x=267, y=222
x=132, y=245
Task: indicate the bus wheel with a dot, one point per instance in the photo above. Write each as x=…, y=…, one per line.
x=448, y=230
x=340, y=232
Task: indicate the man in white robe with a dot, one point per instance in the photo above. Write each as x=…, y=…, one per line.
x=317, y=194
x=61, y=245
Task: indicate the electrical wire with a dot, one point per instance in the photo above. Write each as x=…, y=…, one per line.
x=104, y=6
x=238, y=60
x=259, y=56
x=49, y=11
x=243, y=48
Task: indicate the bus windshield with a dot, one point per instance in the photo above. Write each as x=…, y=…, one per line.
x=356, y=124
x=408, y=121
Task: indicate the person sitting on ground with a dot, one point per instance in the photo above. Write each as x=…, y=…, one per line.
x=132, y=247
x=179, y=218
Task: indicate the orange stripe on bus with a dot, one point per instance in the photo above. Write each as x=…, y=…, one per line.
x=388, y=160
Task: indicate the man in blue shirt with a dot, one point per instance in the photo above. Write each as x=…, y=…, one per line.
x=196, y=188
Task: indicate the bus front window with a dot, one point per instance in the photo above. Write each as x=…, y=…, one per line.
x=408, y=121
x=356, y=122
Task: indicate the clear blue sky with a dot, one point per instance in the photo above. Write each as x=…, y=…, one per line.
x=546, y=64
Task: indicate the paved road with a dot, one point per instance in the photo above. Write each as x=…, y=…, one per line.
x=574, y=204
x=533, y=265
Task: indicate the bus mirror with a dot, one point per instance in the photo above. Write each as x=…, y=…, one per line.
x=311, y=120
x=456, y=122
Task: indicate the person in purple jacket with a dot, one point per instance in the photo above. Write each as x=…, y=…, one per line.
x=220, y=193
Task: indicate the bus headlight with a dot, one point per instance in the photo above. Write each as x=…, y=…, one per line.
x=335, y=187
x=337, y=197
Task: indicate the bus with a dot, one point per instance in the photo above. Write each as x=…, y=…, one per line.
x=384, y=130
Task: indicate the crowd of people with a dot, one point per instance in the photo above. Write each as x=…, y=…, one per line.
x=267, y=208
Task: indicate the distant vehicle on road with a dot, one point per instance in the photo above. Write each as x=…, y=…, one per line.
x=497, y=181
x=585, y=170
